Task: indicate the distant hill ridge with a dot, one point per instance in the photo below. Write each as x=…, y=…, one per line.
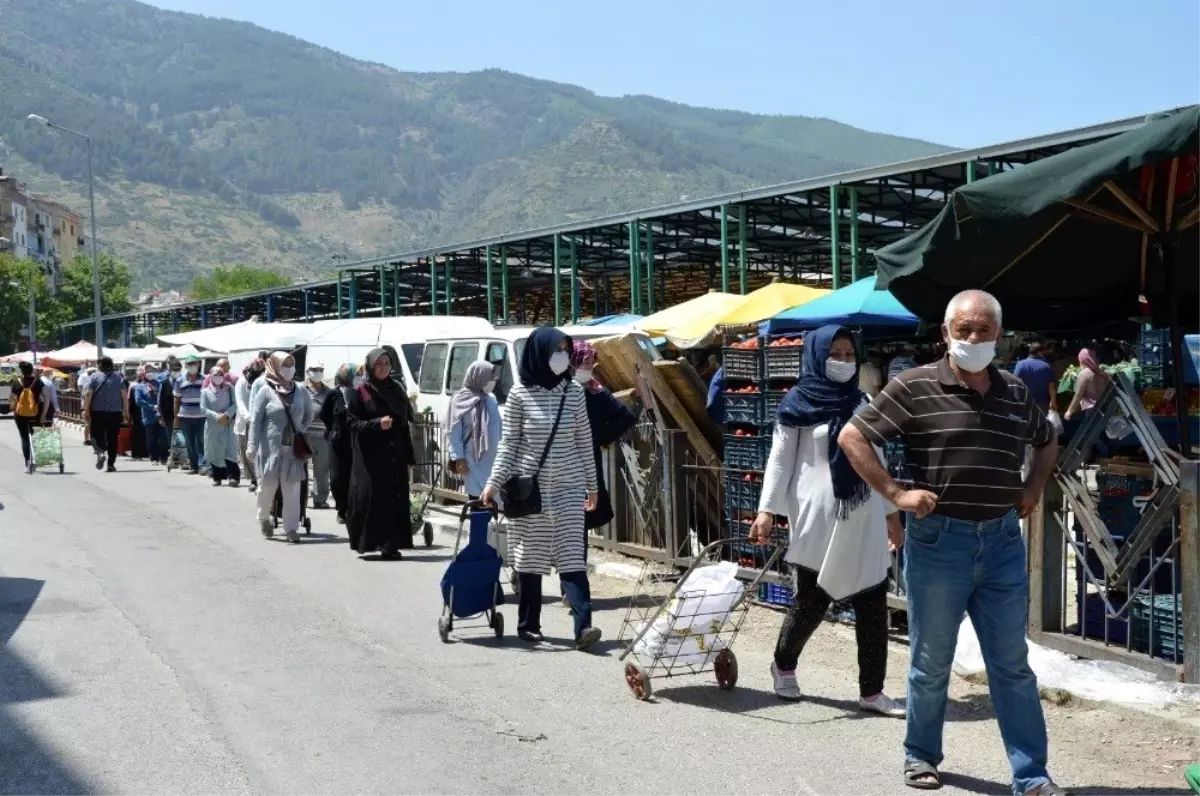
x=220, y=141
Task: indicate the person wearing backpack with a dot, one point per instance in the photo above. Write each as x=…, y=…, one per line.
x=30, y=409
x=106, y=406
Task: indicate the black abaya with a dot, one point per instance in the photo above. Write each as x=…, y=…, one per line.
x=378, y=515
x=337, y=433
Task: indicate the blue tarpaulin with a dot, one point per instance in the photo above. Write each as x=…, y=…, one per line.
x=621, y=319
x=856, y=305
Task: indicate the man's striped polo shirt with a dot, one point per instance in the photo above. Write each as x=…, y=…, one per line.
x=964, y=447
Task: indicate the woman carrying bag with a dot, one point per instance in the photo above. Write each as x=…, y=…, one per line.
x=472, y=423
x=840, y=528
x=545, y=477
x=279, y=413
x=378, y=414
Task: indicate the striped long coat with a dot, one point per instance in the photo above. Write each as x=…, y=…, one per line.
x=556, y=537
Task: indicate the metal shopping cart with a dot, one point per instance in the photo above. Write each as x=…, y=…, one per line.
x=177, y=455
x=47, y=449
x=418, y=506
x=686, y=623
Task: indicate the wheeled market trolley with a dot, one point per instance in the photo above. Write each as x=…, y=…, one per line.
x=47, y=449
x=690, y=629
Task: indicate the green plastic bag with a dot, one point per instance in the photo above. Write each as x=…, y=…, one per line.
x=47, y=447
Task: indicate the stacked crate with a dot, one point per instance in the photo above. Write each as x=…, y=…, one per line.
x=1154, y=358
x=756, y=377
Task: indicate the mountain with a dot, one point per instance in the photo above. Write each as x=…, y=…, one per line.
x=219, y=141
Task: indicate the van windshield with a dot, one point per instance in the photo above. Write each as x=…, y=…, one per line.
x=413, y=352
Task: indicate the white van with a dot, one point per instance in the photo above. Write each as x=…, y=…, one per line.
x=446, y=359
x=8, y=374
x=335, y=342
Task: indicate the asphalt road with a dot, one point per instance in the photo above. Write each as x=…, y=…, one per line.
x=154, y=642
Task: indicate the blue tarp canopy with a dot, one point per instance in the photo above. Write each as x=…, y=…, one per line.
x=621, y=319
x=856, y=305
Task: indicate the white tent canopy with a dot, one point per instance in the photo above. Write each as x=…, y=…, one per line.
x=221, y=338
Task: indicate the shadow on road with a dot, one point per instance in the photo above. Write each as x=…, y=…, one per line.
x=27, y=766
x=989, y=788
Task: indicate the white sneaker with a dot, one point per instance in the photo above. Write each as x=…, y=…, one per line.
x=884, y=705
x=786, y=686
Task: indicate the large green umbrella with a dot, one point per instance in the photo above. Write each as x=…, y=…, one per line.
x=1070, y=241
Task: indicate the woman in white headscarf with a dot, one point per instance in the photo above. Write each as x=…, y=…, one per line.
x=472, y=425
x=220, y=443
x=279, y=413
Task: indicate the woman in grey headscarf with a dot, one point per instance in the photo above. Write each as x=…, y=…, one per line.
x=472, y=426
x=278, y=414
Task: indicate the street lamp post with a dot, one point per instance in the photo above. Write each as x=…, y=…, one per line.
x=33, y=117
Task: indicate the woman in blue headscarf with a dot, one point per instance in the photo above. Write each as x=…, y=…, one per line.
x=839, y=528
x=546, y=433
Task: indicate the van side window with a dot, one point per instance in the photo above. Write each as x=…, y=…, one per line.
x=497, y=354
x=461, y=357
x=412, y=355
x=433, y=366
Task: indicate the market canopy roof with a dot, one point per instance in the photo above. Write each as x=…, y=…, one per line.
x=856, y=305
x=712, y=302
x=221, y=338
x=1068, y=242
x=763, y=303
x=72, y=356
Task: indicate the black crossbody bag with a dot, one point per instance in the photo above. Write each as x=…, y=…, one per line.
x=522, y=495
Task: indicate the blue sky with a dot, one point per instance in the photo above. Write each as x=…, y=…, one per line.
x=959, y=73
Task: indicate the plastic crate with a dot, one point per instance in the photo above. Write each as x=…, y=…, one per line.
x=744, y=408
x=1155, y=377
x=1091, y=617
x=746, y=453
x=742, y=363
x=741, y=495
x=774, y=594
x=782, y=362
x=1157, y=618
x=1154, y=348
x=771, y=401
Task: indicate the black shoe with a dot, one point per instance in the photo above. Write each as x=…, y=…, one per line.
x=392, y=556
x=532, y=636
x=112, y=468
x=100, y=457
x=216, y=482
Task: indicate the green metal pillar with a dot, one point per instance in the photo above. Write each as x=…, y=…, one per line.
x=433, y=286
x=503, y=283
x=743, y=268
x=449, y=289
x=382, y=292
x=491, y=315
x=835, y=237
x=725, y=248
x=574, y=251
x=853, y=233
x=557, y=246
x=635, y=282
x=395, y=291
x=339, y=295
x=969, y=169
x=353, y=294
x=651, y=302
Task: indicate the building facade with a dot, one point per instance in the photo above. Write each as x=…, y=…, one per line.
x=39, y=228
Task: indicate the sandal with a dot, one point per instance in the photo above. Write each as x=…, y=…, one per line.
x=921, y=775
x=1047, y=789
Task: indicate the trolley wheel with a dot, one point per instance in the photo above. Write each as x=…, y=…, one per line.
x=497, y=624
x=638, y=682
x=62, y=468
x=427, y=529
x=726, y=668
x=444, y=629
x=307, y=525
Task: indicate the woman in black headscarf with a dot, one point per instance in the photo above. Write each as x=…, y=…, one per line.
x=378, y=415
x=546, y=434
x=337, y=434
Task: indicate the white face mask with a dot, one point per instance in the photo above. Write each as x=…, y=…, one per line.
x=839, y=371
x=193, y=368
x=489, y=387
x=218, y=381
x=559, y=362
x=358, y=382
x=972, y=357
x=583, y=376
x=288, y=372
x=316, y=376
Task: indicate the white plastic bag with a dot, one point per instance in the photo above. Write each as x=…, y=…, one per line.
x=705, y=600
x=1056, y=422
x=692, y=650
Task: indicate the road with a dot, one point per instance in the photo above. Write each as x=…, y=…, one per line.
x=156, y=643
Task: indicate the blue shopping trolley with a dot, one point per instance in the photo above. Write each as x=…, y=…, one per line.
x=471, y=585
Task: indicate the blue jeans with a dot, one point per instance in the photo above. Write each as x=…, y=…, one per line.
x=157, y=441
x=576, y=589
x=193, y=438
x=978, y=568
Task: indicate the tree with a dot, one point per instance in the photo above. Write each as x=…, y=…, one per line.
x=234, y=280
x=15, y=276
x=73, y=302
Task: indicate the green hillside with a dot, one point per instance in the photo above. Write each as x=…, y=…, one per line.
x=219, y=141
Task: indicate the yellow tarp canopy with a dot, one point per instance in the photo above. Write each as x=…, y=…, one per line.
x=766, y=302
x=714, y=301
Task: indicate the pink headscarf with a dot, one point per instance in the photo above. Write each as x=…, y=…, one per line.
x=583, y=355
x=1088, y=360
